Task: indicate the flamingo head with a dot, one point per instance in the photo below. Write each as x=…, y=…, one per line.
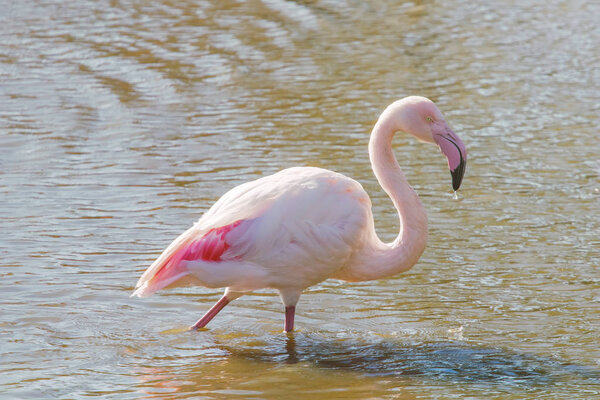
x=420, y=117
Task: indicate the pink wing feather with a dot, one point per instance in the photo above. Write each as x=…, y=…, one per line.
x=168, y=268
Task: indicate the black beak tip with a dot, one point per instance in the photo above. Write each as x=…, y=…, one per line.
x=457, y=175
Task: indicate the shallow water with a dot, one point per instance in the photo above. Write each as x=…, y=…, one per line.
x=122, y=121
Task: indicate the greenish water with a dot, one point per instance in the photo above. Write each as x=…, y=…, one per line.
x=122, y=121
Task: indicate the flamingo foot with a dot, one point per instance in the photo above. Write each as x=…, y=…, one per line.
x=210, y=314
x=289, y=318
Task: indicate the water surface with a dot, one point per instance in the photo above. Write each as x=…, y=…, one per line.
x=122, y=121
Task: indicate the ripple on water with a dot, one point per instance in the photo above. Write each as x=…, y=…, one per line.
x=121, y=123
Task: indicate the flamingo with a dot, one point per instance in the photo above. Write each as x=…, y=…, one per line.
x=302, y=225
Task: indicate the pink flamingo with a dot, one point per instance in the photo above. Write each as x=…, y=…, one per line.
x=302, y=225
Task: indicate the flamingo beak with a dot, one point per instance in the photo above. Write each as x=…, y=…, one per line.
x=454, y=150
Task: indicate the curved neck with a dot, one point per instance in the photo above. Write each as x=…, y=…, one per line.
x=378, y=259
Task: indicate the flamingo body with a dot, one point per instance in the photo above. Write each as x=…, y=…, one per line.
x=269, y=234
x=302, y=225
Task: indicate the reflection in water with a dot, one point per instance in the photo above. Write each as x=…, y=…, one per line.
x=290, y=348
x=453, y=361
x=156, y=382
x=357, y=366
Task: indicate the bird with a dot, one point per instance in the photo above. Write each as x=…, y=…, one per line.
x=303, y=225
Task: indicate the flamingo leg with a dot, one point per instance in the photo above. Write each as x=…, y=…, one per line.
x=289, y=318
x=210, y=314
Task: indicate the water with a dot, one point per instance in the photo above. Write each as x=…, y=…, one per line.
x=122, y=121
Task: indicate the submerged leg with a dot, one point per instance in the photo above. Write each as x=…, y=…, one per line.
x=289, y=298
x=210, y=314
x=214, y=310
x=289, y=318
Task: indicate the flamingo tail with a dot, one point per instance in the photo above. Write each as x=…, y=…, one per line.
x=170, y=270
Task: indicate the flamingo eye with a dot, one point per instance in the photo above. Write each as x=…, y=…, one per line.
x=429, y=119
